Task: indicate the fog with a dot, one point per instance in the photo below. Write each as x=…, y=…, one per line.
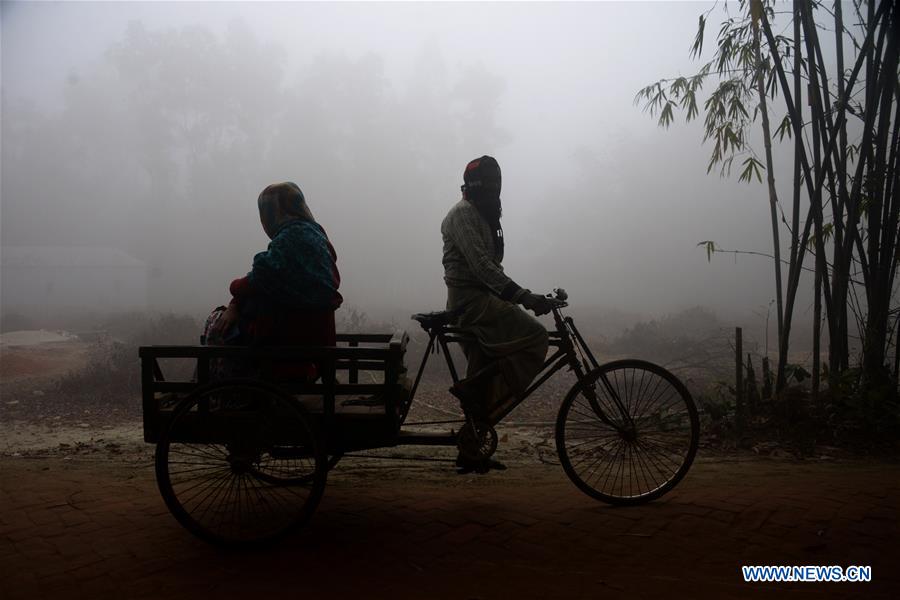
x=151, y=129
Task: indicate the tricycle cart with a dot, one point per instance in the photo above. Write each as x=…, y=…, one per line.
x=244, y=461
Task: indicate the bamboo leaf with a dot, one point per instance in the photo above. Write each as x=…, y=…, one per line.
x=751, y=167
x=710, y=248
x=697, y=47
x=747, y=173
x=726, y=166
x=784, y=129
x=811, y=242
x=690, y=102
x=864, y=202
x=740, y=106
x=665, y=117
x=715, y=157
x=771, y=88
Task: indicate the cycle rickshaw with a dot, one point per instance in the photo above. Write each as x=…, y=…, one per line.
x=245, y=461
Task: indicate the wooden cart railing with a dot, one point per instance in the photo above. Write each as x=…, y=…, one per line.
x=380, y=356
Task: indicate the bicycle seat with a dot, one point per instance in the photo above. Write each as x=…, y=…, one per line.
x=435, y=319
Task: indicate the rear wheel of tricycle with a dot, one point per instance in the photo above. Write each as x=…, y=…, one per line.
x=240, y=463
x=627, y=432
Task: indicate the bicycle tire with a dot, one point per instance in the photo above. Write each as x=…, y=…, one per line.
x=649, y=451
x=240, y=463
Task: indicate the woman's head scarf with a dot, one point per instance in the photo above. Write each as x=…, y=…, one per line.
x=280, y=204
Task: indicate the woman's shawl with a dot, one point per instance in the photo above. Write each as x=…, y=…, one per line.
x=298, y=269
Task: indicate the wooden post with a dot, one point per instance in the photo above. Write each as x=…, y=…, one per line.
x=897, y=355
x=897, y=351
x=738, y=382
x=817, y=336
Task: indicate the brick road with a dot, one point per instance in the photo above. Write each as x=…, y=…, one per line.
x=97, y=528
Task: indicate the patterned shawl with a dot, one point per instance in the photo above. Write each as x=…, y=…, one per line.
x=298, y=269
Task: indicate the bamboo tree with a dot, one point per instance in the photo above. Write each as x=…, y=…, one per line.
x=798, y=149
x=882, y=207
x=876, y=270
x=839, y=351
x=770, y=172
x=857, y=182
x=815, y=101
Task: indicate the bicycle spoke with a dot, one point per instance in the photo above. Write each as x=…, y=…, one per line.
x=645, y=474
x=671, y=403
x=651, y=397
x=207, y=489
x=659, y=452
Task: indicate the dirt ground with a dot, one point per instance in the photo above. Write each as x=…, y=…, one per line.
x=18, y=362
x=82, y=518
x=96, y=527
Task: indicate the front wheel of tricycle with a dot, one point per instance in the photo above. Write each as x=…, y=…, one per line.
x=240, y=463
x=627, y=432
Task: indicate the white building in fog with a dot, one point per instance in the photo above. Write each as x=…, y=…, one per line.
x=41, y=278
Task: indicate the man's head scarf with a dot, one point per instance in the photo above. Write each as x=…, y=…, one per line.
x=280, y=204
x=482, y=174
x=481, y=184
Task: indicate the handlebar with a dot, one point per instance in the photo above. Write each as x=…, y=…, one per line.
x=560, y=296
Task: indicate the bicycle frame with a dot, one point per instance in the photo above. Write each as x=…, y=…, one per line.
x=568, y=343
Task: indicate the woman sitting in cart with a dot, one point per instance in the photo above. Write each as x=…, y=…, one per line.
x=289, y=296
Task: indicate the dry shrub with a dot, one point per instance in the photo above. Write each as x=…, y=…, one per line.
x=113, y=368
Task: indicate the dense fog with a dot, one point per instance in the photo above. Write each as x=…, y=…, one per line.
x=151, y=128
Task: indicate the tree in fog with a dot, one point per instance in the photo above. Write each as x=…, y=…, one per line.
x=163, y=144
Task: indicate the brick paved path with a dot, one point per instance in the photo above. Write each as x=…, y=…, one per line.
x=98, y=529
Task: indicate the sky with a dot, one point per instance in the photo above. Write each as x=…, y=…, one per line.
x=374, y=109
